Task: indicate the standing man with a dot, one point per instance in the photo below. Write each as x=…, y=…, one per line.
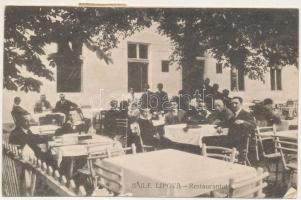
x=42, y=105
x=65, y=106
x=148, y=98
x=162, y=97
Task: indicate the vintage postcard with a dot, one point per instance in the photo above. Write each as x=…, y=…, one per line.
x=113, y=100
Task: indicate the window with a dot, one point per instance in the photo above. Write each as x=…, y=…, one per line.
x=138, y=51
x=69, y=78
x=219, y=68
x=165, y=65
x=137, y=66
x=237, y=79
x=132, y=51
x=276, y=82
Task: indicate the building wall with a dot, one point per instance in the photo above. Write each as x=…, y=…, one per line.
x=102, y=83
x=255, y=89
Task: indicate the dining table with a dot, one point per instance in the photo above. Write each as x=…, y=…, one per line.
x=173, y=173
x=180, y=133
x=69, y=145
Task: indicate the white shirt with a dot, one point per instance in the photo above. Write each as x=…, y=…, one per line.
x=237, y=113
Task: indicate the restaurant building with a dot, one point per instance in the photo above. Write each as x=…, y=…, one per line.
x=143, y=58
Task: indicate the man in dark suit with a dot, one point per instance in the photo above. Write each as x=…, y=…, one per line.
x=22, y=136
x=241, y=125
x=264, y=113
x=65, y=106
x=162, y=97
x=18, y=113
x=42, y=105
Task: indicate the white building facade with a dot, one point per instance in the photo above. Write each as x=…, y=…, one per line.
x=143, y=58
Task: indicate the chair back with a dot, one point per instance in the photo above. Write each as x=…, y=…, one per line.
x=122, y=125
x=265, y=133
x=221, y=153
x=288, y=148
x=95, y=155
x=248, y=187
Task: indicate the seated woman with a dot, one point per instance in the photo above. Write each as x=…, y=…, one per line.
x=142, y=131
x=109, y=120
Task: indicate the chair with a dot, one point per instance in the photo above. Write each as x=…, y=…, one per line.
x=268, y=157
x=222, y=153
x=122, y=128
x=248, y=187
x=95, y=154
x=98, y=121
x=288, y=148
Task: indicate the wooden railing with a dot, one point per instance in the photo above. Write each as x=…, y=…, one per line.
x=19, y=176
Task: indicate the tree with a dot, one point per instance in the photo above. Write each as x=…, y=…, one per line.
x=29, y=29
x=250, y=39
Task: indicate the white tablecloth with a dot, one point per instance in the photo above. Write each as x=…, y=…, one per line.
x=159, y=122
x=172, y=173
x=193, y=136
x=44, y=129
x=82, y=149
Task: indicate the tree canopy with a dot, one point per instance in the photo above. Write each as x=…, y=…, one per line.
x=251, y=39
x=29, y=29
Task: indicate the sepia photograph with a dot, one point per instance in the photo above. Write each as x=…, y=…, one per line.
x=120, y=101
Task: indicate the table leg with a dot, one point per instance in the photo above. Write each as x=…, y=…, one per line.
x=71, y=167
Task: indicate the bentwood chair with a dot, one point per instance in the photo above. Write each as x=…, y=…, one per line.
x=248, y=187
x=122, y=126
x=221, y=153
x=95, y=155
x=288, y=148
x=265, y=138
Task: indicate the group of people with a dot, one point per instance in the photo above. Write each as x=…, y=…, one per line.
x=22, y=135
x=219, y=110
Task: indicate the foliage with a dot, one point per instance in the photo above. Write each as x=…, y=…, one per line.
x=252, y=39
x=29, y=29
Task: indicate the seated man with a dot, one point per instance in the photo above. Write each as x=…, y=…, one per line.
x=198, y=114
x=110, y=119
x=42, y=105
x=65, y=106
x=241, y=125
x=264, y=113
x=162, y=97
x=175, y=115
x=18, y=113
x=23, y=136
x=222, y=114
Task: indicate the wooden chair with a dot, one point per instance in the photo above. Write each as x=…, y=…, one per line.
x=268, y=157
x=288, y=148
x=222, y=153
x=248, y=187
x=122, y=128
x=112, y=180
x=95, y=155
